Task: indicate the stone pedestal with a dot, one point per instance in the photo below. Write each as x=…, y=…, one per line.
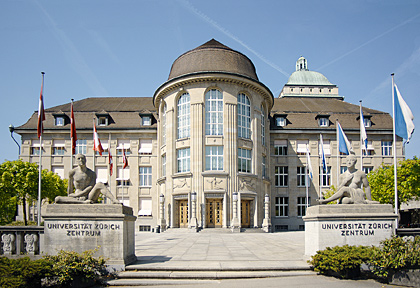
x=352, y=224
x=81, y=227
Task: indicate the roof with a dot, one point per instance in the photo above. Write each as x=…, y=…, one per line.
x=122, y=113
x=302, y=114
x=213, y=56
x=303, y=77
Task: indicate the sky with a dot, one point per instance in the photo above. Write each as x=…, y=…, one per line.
x=126, y=48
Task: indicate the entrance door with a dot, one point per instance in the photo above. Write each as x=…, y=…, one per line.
x=183, y=213
x=245, y=213
x=214, y=209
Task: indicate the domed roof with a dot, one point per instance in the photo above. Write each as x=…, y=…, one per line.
x=213, y=57
x=304, y=77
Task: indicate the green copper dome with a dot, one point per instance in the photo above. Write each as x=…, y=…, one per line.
x=303, y=77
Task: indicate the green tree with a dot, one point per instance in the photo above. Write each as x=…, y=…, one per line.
x=381, y=181
x=19, y=185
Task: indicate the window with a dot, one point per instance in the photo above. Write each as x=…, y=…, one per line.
x=214, y=112
x=282, y=206
x=59, y=170
x=301, y=176
x=281, y=176
x=325, y=177
x=214, y=157
x=244, y=160
x=367, y=169
x=101, y=174
x=105, y=146
x=164, y=125
x=163, y=165
x=263, y=167
x=262, y=125
x=146, y=120
x=123, y=144
x=81, y=145
x=280, y=121
x=58, y=147
x=370, y=149
x=367, y=122
x=102, y=121
x=327, y=147
x=183, y=160
x=59, y=121
x=244, y=116
x=323, y=122
x=35, y=148
x=145, y=207
x=343, y=169
x=145, y=176
x=301, y=147
x=146, y=147
x=386, y=148
x=280, y=147
x=301, y=206
x=184, y=116
x=123, y=176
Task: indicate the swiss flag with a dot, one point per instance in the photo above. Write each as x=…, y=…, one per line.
x=97, y=146
x=125, y=160
x=111, y=163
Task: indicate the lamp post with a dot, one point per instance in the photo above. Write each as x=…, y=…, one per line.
x=192, y=225
x=162, y=221
x=235, y=220
x=266, y=226
x=12, y=129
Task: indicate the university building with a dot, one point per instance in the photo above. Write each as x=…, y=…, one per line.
x=213, y=144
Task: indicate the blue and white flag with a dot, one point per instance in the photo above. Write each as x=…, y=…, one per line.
x=363, y=134
x=344, y=144
x=404, y=125
x=308, y=163
x=323, y=161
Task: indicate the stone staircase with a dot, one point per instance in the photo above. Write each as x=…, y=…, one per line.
x=137, y=276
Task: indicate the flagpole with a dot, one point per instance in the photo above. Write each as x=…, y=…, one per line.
x=93, y=150
x=395, y=154
x=338, y=154
x=306, y=184
x=361, y=140
x=40, y=161
x=109, y=167
x=321, y=166
x=71, y=138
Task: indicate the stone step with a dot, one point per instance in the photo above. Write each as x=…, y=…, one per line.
x=138, y=278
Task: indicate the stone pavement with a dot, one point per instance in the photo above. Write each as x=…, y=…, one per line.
x=216, y=248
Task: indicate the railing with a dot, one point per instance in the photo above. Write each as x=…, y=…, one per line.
x=17, y=241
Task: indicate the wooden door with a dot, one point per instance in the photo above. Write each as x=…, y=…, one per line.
x=245, y=213
x=214, y=210
x=183, y=213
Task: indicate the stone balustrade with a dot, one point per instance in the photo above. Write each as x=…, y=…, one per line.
x=21, y=240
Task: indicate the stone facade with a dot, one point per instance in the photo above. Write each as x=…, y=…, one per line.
x=214, y=134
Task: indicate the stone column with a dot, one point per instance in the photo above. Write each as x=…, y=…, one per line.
x=192, y=223
x=235, y=220
x=230, y=161
x=266, y=226
x=162, y=221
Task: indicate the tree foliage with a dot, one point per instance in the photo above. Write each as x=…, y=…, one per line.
x=381, y=181
x=19, y=185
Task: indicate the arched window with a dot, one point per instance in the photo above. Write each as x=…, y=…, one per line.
x=214, y=112
x=184, y=116
x=244, y=116
x=262, y=125
x=164, y=125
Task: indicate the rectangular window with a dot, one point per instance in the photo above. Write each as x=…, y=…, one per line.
x=327, y=147
x=81, y=145
x=123, y=145
x=370, y=149
x=301, y=206
x=123, y=176
x=343, y=169
x=214, y=157
x=147, y=120
x=325, y=177
x=58, y=147
x=146, y=147
x=386, y=148
x=281, y=176
x=163, y=165
x=101, y=174
x=102, y=121
x=244, y=160
x=301, y=147
x=280, y=121
x=105, y=146
x=145, y=207
x=183, y=160
x=59, y=170
x=367, y=122
x=282, y=206
x=145, y=176
x=59, y=121
x=301, y=176
x=263, y=167
x=280, y=147
x=367, y=169
x=323, y=122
